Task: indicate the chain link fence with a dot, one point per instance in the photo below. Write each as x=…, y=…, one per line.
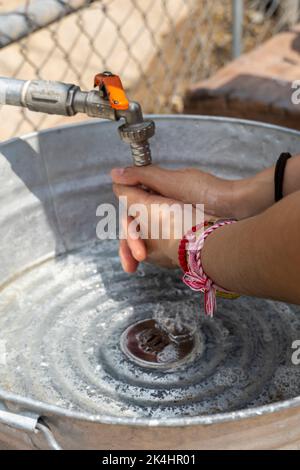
x=270, y=17
x=158, y=47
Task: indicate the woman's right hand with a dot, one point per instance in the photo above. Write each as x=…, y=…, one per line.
x=221, y=198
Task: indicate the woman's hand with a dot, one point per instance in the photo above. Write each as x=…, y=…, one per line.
x=186, y=185
x=155, y=213
x=223, y=198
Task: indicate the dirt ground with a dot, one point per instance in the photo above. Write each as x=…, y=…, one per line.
x=8, y=6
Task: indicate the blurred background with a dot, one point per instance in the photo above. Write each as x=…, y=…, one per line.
x=160, y=48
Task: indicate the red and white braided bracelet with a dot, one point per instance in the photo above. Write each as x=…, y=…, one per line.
x=194, y=276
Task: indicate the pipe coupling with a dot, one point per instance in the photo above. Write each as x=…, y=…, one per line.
x=137, y=136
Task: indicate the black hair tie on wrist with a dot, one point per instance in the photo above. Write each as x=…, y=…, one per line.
x=279, y=175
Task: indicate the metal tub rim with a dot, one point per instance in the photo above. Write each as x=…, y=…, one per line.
x=43, y=409
x=162, y=117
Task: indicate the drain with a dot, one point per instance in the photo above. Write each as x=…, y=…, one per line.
x=146, y=344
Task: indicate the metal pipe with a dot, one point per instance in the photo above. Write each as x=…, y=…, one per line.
x=237, y=27
x=38, y=14
x=11, y=91
x=39, y=95
x=53, y=97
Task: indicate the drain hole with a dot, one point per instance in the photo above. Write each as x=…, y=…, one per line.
x=148, y=345
x=152, y=341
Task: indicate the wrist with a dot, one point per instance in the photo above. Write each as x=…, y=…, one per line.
x=242, y=198
x=196, y=277
x=229, y=197
x=251, y=196
x=214, y=255
x=188, y=242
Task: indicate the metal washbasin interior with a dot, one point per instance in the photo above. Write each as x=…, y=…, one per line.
x=65, y=301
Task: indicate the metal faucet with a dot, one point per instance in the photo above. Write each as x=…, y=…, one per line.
x=109, y=101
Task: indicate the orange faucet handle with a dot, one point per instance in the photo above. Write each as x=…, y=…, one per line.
x=113, y=89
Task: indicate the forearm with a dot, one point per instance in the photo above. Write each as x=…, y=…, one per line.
x=253, y=195
x=259, y=256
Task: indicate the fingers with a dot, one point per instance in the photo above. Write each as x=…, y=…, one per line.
x=136, y=222
x=134, y=195
x=129, y=264
x=135, y=244
x=133, y=249
x=152, y=176
x=183, y=185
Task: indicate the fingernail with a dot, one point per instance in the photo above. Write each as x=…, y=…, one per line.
x=118, y=171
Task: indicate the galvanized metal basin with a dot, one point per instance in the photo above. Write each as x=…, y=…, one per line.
x=65, y=304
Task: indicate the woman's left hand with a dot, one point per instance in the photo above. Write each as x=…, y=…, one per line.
x=155, y=213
